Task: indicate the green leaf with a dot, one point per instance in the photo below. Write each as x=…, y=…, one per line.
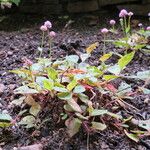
x=105, y=57
x=64, y=96
x=98, y=126
x=19, y=101
x=60, y=89
x=40, y=80
x=16, y=2
x=79, y=89
x=98, y=112
x=29, y=121
x=72, y=58
x=84, y=57
x=123, y=89
x=127, y=29
x=73, y=126
x=72, y=84
x=37, y=67
x=133, y=137
x=109, y=77
x=74, y=105
x=48, y=84
x=25, y=90
x=143, y=75
x=114, y=69
x=52, y=73
x=125, y=60
x=5, y=117
x=145, y=90
x=84, y=98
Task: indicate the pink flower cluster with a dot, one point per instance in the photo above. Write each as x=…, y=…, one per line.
x=148, y=28
x=104, y=31
x=112, y=22
x=124, y=13
x=48, y=25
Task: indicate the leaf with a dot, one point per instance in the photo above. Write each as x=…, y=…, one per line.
x=40, y=80
x=133, y=137
x=114, y=69
x=145, y=90
x=98, y=126
x=143, y=75
x=60, y=89
x=72, y=58
x=29, y=100
x=84, y=57
x=48, y=84
x=19, y=101
x=145, y=124
x=91, y=47
x=109, y=77
x=29, y=121
x=125, y=60
x=123, y=89
x=94, y=71
x=84, y=98
x=64, y=96
x=74, y=105
x=98, y=112
x=72, y=84
x=52, y=73
x=35, y=109
x=37, y=67
x=114, y=115
x=105, y=57
x=16, y=2
x=25, y=90
x=79, y=89
x=73, y=126
x=5, y=117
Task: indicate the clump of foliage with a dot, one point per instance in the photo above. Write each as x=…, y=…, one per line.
x=87, y=94
x=8, y=3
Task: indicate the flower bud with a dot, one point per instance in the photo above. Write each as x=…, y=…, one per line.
x=112, y=22
x=48, y=24
x=130, y=14
x=52, y=34
x=104, y=31
x=148, y=28
x=123, y=13
x=43, y=28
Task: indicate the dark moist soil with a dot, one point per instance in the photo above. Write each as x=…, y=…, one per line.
x=20, y=37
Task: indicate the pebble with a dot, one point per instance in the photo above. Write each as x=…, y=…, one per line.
x=2, y=88
x=11, y=86
x=10, y=53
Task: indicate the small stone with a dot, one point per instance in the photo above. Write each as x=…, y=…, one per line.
x=2, y=88
x=5, y=112
x=31, y=147
x=146, y=101
x=11, y=86
x=10, y=53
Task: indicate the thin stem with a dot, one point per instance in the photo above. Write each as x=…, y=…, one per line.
x=104, y=48
x=50, y=47
x=42, y=44
x=88, y=139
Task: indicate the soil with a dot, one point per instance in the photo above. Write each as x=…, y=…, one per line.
x=20, y=37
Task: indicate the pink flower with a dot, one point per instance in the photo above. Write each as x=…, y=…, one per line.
x=149, y=14
x=130, y=14
x=123, y=13
x=140, y=24
x=52, y=34
x=48, y=24
x=148, y=28
x=104, y=31
x=112, y=22
x=43, y=28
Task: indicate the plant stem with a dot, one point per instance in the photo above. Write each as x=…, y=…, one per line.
x=104, y=48
x=50, y=47
x=88, y=139
x=42, y=44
